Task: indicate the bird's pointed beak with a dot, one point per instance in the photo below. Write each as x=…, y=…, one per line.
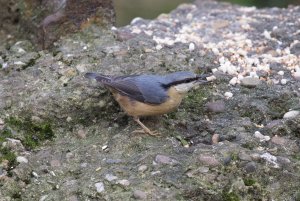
x=202, y=78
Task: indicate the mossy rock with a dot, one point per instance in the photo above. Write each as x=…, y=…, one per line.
x=31, y=134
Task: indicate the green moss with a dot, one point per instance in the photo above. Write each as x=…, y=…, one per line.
x=297, y=196
x=296, y=156
x=5, y=133
x=194, y=99
x=248, y=145
x=230, y=196
x=249, y=182
x=33, y=133
x=234, y=156
x=7, y=154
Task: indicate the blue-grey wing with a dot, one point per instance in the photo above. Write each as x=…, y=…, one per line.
x=143, y=88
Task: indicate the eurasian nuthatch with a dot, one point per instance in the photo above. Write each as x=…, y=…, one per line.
x=147, y=95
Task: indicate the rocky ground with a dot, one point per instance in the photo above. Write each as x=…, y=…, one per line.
x=236, y=138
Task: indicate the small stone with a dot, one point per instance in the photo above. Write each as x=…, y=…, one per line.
x=209, y=160
x=270, y=159
x=283, y=160
x=274, y=123
x=250, y=81
x=227, y=160
x=55, y=163
x=104, y=147
x=215, y=139
x=142, y=168
x=69, y=156
x=228, y=94
x=102, y=103
x=162, y=159
x=217, y=106
x=81, y=68
x=233, y=81
x=158, y=47
x=110, y=177
x=140, y=195
x=43, y=198
x=244, y=157
x=283, y=81
x=99, y=187
x=191, y=47
x=253, y=74
x=278, y=140
x=113, y=161
x=35, y=174
x=81, y=134
x=280, y=73
x=203, y=169
x=155, y=172
x=36, y=119
x=291, y=114
x=123, y=182
x=1, y=122
x=250, y=167
x=69, y=119
x=211, y=78
x=261, y=137
x=21, y=159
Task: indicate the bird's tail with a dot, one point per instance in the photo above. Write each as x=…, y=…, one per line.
x=99, y=77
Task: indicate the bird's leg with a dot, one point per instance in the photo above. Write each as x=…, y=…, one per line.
x=145, y=128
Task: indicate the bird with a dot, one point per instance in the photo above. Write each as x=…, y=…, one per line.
x=141, y=95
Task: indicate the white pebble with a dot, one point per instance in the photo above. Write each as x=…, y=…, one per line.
x=291, y=114
x=189, y=16
x=123, y=182
x=110, y=177
x=228, y=94
x=19, y=63
x=158, y=47
x=267, y=34
x=215, y=50
x=113, y=28
x=99, y=187
x=214, y=70
x=280, y=72
x=5, y=65
x=211, y=78
x=253, y=74
x=104, y=147
x=191, y=46
x=261, y=137
x=233, y=81
x=43, y=198
x=22, y=159
x=283, y=81
x=142, y=168
x=35, y=174
x=270, y=158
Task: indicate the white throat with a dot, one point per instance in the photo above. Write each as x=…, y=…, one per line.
x=185, y=87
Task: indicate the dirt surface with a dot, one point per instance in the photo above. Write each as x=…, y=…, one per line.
x=236, y=138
